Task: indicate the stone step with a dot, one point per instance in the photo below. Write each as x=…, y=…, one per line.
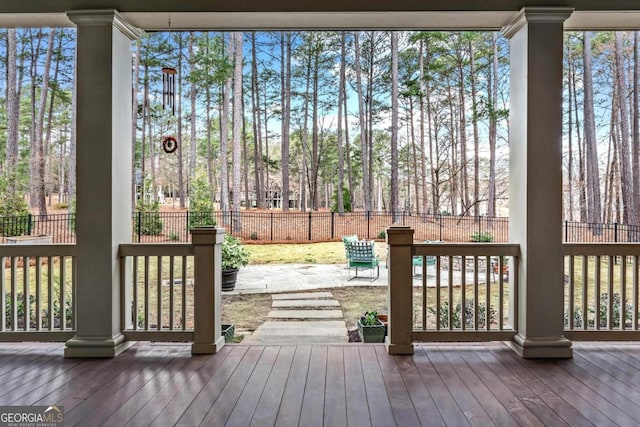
x=305, y=303
x=293, y=339
x=305, y=314
x=302, y=295
x=316, y=328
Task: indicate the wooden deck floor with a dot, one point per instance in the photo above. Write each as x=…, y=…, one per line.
x=335, y=385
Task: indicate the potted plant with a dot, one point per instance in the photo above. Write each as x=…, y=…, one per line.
x=370, y=328
x=234, y=256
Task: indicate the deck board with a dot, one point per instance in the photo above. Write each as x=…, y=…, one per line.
x=291, y=405
x=346, y=384
x=356, y=396
x=312, y=413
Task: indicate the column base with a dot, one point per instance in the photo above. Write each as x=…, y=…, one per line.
x=207, y=348
x=398, y=348
x=96, y=347
x=542, y=348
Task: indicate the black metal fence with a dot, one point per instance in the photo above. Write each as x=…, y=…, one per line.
x=580, y=232
x=294, y=227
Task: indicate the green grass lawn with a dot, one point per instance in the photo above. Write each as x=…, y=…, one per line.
x=315, y=253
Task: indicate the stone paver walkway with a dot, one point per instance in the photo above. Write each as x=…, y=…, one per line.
x=296, y=318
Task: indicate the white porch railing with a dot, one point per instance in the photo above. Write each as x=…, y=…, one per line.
x=37, y=288
x=467, y=292
x=157, y=298
x=172, y=292
x=601, y=291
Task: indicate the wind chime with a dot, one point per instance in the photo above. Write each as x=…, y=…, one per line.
x=169, y=143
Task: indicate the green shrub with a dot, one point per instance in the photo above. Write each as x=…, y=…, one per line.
x=14, y=211
x=615, y=314
x=32, y=314
x=61, y=206
x=253, y=236
x=173, y=236
x=234, y=255
x=457, y=315
x=346, y=201
x=482, y=237
x=382, y=235
x=147, y=220
x=200, y=204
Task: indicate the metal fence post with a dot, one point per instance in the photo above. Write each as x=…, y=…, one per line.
x=615, y=232
x=186, y=225
x=566, y=231
x=29, y=224
x=309, y=226
x=440, y=221
x=333, y=224
x=139, y=225
x=272, y=226
x=368, y=224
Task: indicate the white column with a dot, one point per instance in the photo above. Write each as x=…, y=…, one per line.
x=103, y=174
x=535, y=200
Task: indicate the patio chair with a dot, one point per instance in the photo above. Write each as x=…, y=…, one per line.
x=417, y=260
x=361, y=255
x=345, y=240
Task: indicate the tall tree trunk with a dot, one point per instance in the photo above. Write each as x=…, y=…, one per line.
x=414, y=152
x=348, y=144
x=370, y=99
x=343, y=60
x=476, y=137
x=570, y=95
x=258, y=164
x=181, y=186
x=594, y=213
x=47, y=138
x=464, y=177
x=492, y=84
x=636, y=124
x=363, y=127
x=224, y=140
x=582, y=197
x=245, y=158
x=315, y=156
x=33, y=145
x=40, y=188
x=305, y=137
x=237, y=128
x=423, y=154
x=393, y=195
x=629, y=216
x=13, y=111
x=285, y=75
x=194, y=116
x=453, y=166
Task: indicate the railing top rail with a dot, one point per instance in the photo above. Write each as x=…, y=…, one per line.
x=467, y=249
x=155, y=249
x=594, y=249
x=41, y=250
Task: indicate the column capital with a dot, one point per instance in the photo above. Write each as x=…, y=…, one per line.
x=207, y=235
x=544, y=15
x=399, y=235
x=98, y=17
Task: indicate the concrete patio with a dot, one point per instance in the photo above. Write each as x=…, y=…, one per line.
x=269, y=278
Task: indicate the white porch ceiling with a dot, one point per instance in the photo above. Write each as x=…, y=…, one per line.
x=158, y=15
